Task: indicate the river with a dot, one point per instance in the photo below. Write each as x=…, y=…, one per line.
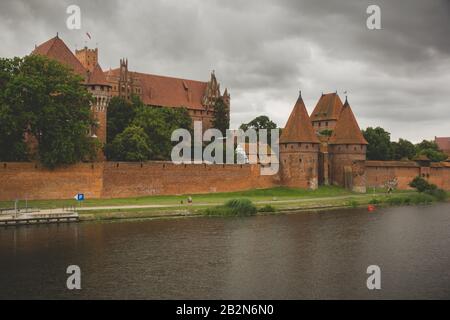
x=297, y=256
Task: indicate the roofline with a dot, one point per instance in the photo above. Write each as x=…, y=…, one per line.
x=157, y=75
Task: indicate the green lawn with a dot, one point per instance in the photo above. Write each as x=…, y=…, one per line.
x=279, y=193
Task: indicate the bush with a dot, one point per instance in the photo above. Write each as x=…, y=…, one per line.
x=416, y=199
x=234, y=207
x=267, y=208
x=353, y=203
x=438, y=194
x=423, y=186
x=396, y=201
x=374, y=201
x=420, y=184
x=422, y=199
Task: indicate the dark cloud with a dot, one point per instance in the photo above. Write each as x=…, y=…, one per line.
x=265, y=51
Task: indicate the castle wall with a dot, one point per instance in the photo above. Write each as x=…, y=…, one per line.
x=125, y=179
x=25, y=180
x=164, y=178
x=378, y=173
x=299, y=164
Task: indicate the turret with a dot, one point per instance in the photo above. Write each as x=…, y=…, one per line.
x=326, y=113
x=88, y=58
x=299, y=150
x=347, y=148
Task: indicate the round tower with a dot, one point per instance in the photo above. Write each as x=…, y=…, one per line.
x=299, y=150
x=101, y=92
x=347, y=149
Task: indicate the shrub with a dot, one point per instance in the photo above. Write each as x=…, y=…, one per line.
x=423, y=186
x=374, y=201
x=396, y=201
x=267, y=208
x=416, y=199
x=438, y=194
x=234, y=207
x=422, y=199
x=420, y=184
x=353, y=203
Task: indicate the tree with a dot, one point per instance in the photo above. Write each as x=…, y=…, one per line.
x=261, y=122
x=46, y=99
x=120, y=114
x=431, y=150
x=130, y=145
x=425, y=144
x=13, y=120
x=379, y=140
x=433, y=155
x=158, y=124
x=221, y=120
x=403, y=149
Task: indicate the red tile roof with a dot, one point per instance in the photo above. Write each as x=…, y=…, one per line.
x=298, y=127
x=328, y=107
x=97, y=77
x=443, y=143
x=347, y=130
x=56, y=49
x=168, y=91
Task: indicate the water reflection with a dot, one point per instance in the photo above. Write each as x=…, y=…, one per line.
x=307, y=255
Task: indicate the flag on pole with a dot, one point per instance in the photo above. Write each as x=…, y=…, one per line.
x=89, y=36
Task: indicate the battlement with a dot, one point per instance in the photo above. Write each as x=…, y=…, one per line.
x=88, y=58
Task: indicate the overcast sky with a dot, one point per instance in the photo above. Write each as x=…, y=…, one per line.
x=265, y=51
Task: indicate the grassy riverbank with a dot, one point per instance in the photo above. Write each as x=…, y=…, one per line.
x=267, y=201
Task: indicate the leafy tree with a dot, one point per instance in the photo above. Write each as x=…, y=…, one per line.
x=158, y=124
x=120, y=114
x=13, y=119
x=221, y=120
x=130, y=145
x=261, y=122
x=379, y=140
x=431, y=150
x=433, y=155
x=46, y=99
x=403, y=149
x=425, y=144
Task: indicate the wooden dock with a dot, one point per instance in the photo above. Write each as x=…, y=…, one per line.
x=27, y=219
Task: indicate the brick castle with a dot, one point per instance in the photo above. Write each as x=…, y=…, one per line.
x=197, y=97
x=326, y=148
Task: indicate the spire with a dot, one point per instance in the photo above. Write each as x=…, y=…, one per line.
x=298, y=127
x=347, y=130
x=328, y=107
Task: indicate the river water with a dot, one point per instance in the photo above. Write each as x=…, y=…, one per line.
x=298, y=256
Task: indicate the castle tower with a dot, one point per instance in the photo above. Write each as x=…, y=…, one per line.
x=88, y=58
x=299, y=150
x=326, y=113
x=212, y=92
x=227, y=97
x=101, y=92
x=324, y=119
x=347, y=149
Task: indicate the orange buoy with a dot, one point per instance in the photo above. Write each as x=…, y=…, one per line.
x=370, y=208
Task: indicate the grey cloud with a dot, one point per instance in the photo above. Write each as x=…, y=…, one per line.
x=264, y=51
